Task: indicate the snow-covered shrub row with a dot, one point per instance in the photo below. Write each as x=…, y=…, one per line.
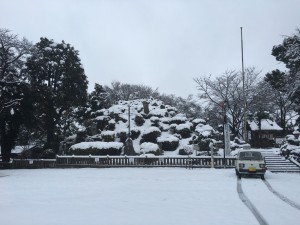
x=96, y=148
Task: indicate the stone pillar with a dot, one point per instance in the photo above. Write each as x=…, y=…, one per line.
x=146, y=107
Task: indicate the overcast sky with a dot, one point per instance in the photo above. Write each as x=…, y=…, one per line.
x=159, y=43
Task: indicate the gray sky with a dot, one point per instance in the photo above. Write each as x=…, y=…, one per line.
x=159, y=43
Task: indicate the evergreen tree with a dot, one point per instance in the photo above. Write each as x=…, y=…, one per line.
x=98, y=99
x=59, y=83
x=278, y=83
x=289, y=53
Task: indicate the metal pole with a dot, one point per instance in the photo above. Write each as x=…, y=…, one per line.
x=128, y=121
x=224, y=138
x=244, y=95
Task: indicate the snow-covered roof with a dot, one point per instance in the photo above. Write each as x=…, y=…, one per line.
x=266, y=124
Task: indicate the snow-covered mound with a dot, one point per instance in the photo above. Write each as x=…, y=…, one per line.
x=154, y=127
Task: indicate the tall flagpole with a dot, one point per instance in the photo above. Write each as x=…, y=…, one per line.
x=244, y=95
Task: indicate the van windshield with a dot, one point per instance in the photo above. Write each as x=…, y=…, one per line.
x=250, y=156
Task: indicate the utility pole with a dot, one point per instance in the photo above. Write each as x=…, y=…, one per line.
x=244, y=95
x=129, y=150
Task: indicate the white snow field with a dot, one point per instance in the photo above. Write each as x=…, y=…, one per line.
x=142, y=196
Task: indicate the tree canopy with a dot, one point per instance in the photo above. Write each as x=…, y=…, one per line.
x=59, y=82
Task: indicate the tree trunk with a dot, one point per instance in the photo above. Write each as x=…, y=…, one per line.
x=50, y=127
x=8, y=136
x=4, y=149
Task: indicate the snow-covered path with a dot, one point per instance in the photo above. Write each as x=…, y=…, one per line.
x=141, y=196
x=273, y=209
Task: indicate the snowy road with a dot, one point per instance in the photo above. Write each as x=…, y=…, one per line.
x=274, y=208
x=142, y=196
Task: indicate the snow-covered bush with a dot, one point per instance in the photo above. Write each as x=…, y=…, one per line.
x=139, y=120
x=198, y=121
x=178, y=119
x=96, y=148
x=154, y=121
x=202, y=141
x=102, y=121
x=165, y=120
x=111, y=125
x=164, y=127
x=291, y=147
x=96, y=137
x=168, y=143
x=148, y=147
x=201, y=128
x=158, y=113
x=134, y=133
x=172, y=128
x=184, y=130
x=108, y=136
x=80, y=136
x=186, y=150
x=122, y=135
x=150, y=135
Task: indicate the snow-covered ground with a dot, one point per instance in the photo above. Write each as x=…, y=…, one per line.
x=142, y=196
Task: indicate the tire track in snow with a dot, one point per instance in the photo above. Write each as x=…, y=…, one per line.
x=282, y=197
x=248, y=203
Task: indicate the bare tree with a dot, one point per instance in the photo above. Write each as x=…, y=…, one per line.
x=226, y=91
x=120, y=91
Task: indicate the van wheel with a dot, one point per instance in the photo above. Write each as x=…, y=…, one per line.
x=262, y=176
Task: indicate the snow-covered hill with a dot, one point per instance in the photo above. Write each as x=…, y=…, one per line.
x=155, y=128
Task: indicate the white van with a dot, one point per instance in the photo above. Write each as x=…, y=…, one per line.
x=250, y=162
